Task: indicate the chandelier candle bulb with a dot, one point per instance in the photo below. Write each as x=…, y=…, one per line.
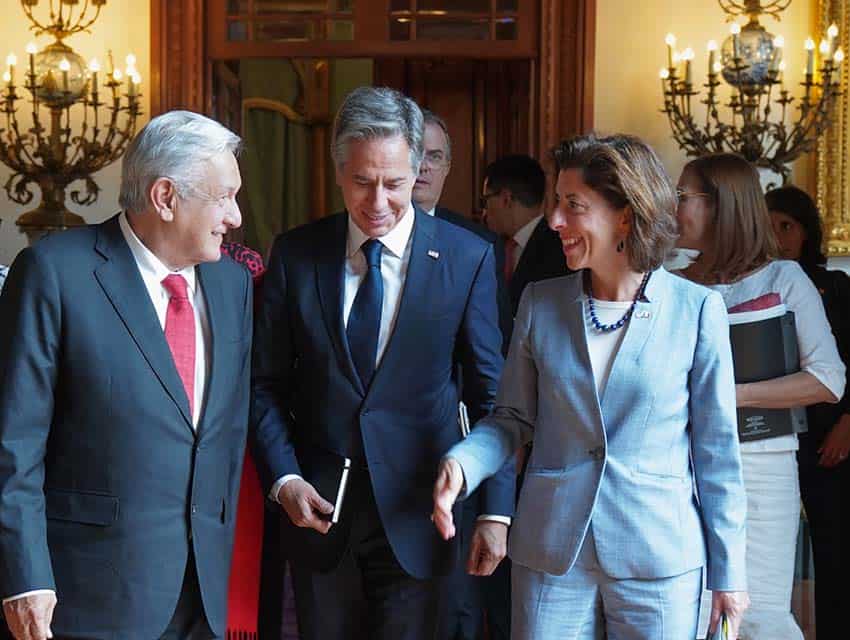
x=65, y=67
x=810, y=57
x=670, y=40
x=825, y=49
x=712, y=51
x=94, y=67
x=775, y=59
x=11, y=61
x=839, y=55
x=688, y=55
x=7, y=78
x=832, y=34
x=735, y=30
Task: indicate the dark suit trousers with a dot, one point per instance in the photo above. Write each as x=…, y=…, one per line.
x=468, y=600
x=825, y=492
x=189, y=621
x=368, y=596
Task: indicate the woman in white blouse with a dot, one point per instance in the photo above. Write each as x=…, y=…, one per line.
x=723, y=216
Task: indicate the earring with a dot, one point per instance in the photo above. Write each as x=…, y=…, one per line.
x=620, y=246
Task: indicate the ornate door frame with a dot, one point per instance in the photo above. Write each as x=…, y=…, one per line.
x=181, y=71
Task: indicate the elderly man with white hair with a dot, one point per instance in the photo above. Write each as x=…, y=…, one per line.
x=124, y=403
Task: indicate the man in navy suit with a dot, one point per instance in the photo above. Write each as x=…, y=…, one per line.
x=365, y=316
x=462, y=609
x=512, y=207
x=124, y=367
x=427, y=191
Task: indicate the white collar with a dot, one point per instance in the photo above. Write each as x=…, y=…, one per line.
x=396, y=240
x=432, y=212
x=151, y=267
x=522, y=236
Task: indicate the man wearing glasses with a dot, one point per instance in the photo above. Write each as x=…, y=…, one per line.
x=512, y=207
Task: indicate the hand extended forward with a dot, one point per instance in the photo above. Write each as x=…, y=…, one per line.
x=304, y=506
x=29, y=617
x=446, y=490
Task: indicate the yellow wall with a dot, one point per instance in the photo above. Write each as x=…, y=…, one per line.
x=630, y=50
x=123, y=27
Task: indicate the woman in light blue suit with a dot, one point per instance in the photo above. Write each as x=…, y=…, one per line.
x=621, y=376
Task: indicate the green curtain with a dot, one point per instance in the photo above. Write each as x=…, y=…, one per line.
x=277, y=156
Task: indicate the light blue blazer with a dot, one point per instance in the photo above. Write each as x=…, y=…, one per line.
x=652, y=467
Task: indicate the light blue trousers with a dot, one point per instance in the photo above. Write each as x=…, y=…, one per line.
x=586, y=603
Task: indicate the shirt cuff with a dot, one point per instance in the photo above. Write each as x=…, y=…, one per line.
x=34, y=592
x=486, y=517
x=279, y=483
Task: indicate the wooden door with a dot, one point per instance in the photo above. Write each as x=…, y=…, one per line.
x=487, y=105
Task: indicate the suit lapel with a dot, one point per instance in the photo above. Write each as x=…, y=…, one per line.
x=122, y=283
x=413, y=306
x=213, y=289
x=584, y=376
x=627, y=359
x=330, y=272
x=531, y=255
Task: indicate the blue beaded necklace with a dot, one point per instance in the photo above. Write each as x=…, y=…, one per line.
x=606, y=328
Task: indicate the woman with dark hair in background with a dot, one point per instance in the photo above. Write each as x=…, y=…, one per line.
x=722, y=214
x=822, y=457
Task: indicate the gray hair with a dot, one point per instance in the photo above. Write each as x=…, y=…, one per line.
x=429, y=117
x=370, y=113
x=172, y=146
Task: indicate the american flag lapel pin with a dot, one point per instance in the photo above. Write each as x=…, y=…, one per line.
x=433, y=254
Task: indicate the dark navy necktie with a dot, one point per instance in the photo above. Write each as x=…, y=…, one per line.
x=364, y=319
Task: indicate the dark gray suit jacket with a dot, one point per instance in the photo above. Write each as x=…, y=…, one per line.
x=104, y=484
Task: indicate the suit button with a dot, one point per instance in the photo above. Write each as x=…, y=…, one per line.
x=597, y=453
x=365, y=412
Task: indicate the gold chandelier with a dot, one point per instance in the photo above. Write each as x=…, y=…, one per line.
x=768, y=126
x=57, y=79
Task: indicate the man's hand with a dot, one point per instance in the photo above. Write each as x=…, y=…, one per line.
x=733, y=604
x=446, y=490
x=489, y=546
x=836, y=445
x=29, y=617
x=304, y=506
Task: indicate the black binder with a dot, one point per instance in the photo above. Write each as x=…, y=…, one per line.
x=764, y=346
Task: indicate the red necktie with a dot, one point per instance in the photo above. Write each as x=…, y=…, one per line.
x=511, y=246
x=180, y=333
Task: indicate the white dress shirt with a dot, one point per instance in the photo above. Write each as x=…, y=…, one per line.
x=153, y=273
x=522, y=237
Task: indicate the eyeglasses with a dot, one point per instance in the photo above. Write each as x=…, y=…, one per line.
x=435, y=158
x=682, y=195
x=482, y=200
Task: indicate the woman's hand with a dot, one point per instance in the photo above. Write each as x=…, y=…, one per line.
x=836, y=445
x=733, y=604
x=446, y=490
